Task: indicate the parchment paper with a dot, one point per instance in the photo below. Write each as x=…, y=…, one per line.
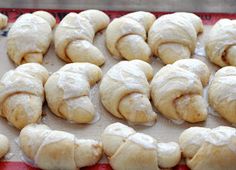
x=164, y=130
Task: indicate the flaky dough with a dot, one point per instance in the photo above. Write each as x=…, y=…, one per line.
x=22, y=94
x=222, y=93
x=176, y=90
x=4, y=145
x=209, y=149
x=126, y=36
x=174, y=36
x=220, y=43
x=29, y=37
x=53, y=150
x=74, y=36
x=3, y=21
x=125, y=92
x=67, y=92
x=128, y=150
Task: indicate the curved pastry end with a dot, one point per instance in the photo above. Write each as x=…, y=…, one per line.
x=191, y=108
x=136, y=108
x=47, y=16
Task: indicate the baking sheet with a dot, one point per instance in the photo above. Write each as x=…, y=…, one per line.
x=217, y=6
x=164, y=130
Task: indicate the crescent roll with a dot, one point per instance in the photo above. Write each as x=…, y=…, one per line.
x=29, y=37
x=22, y=94
x=128, y=150
x=75, y=34
x=220, y=43
x=176, y=90
x=125, y=92
x=126, y=36
x=53, y=150
x=211, y=149
x=67, y=91
x=222, y=93
x=174, y=36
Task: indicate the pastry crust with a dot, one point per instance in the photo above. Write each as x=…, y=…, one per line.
x=3, y=21
x=126, y=36
x=176, y=90
x=174, y=36
x=125, y=92
x=128, y=150
x=220, y=43
x=222, y=93
x=67, y=92
x=22, y=94
x=51, y=149
x=24, y=45
x=4, y=145
x=75, y=34
x=211, y=149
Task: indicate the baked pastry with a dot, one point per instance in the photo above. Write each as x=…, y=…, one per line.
x=29, y=37
x=211, y=149
x=125, y=92
x=176, y=90
x=174, y=36
x=67, y=92
x=75, y=34
x=126, y=36
x=222, y=93
x=4, y=145
x=129, y=150
x=220, y=43
x=3, y=21
x=22, y=94
x=52, y=149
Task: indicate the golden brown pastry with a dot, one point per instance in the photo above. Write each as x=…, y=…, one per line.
x=176, y=90
x=4, y=145
x=126, y=36
x=125, y=92
x=210, y=149
x=128, y=150
x=222, y=93
x=174, y=36
x=3, y=21
x=53, y=150
x=22, y=94
x=220, y=43
x=67, y=92
x=29, y=37
x=75, y=34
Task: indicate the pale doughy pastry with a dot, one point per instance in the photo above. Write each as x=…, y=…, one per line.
x=4, y=145
x=75, y=34
x=125, y=92
x=220, y=44
x=126, y=36
x=22, y=94
x=207, y=149
x=47, y=16
x=129, y=150
x=222, y=93
x=176, y=90
x=29, y=37
x=53, y=150
x=67, y=92
x=174, y=36
x=3, y=21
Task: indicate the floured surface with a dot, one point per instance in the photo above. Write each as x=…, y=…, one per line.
x=164, y=130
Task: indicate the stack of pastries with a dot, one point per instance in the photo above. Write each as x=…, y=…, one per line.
x=129, y=89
